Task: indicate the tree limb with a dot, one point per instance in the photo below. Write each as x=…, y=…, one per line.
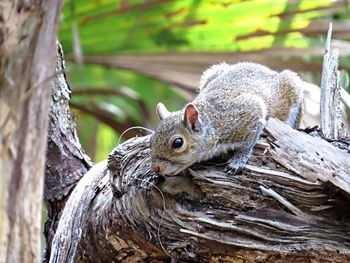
x=203, y=214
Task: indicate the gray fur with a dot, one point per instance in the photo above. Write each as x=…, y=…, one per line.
x=233, y=100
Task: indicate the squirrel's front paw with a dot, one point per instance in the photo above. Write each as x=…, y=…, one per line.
x=234, y=167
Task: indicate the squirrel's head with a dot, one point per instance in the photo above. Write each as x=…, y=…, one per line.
x=175, y=143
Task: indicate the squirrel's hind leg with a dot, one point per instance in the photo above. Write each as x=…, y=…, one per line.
x=295, y=115
x=237, y=162
x=242, y=154
x=254, y=122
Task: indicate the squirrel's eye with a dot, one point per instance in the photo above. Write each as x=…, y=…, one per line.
x=177, y=143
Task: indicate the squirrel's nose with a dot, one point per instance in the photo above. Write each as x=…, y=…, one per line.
x=156, y=167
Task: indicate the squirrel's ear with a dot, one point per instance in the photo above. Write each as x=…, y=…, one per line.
x=191, y=117
x=161, y=111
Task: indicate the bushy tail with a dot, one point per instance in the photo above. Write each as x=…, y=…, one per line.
x=212, y=73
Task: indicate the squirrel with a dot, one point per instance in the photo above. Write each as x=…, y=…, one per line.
x=228, y=114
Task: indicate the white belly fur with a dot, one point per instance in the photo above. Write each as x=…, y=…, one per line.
x=220, y=149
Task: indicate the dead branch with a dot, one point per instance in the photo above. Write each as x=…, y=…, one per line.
x=266, y=212
x=332, y=126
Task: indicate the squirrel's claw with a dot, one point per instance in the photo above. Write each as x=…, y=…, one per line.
x=238, y=160
x=233, y=168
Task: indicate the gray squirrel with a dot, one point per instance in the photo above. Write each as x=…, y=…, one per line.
x=228, y=114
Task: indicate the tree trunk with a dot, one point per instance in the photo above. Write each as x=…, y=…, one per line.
x=27, y=57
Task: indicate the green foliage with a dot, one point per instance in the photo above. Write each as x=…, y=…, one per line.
x=106, y=27
x=114, y=28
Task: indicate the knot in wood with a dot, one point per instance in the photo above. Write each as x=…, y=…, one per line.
x=129, y=166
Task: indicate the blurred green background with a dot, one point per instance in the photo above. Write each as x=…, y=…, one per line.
x=122, y=57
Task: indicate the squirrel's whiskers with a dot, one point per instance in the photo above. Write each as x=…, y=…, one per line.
x=133, y=128
x=162, y=216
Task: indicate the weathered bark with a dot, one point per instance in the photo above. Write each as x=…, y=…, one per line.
x=66, y=161
x=332, y=126
x=268, y=213
x=27, y=57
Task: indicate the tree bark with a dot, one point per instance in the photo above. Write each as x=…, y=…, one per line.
x=332, y=126
x=66, y=161
x=288, y=204
x=27, y=56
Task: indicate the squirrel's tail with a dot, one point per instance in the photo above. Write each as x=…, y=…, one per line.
x=212, y=73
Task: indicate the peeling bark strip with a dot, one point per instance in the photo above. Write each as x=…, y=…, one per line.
x=267, y=213
x=27, y=57
x=311, y=158
x=332, y=126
